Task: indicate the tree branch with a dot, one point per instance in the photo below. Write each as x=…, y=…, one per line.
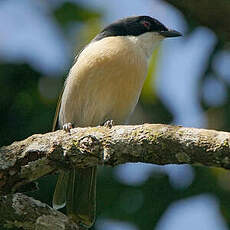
x=23, y=212
x=39, y=155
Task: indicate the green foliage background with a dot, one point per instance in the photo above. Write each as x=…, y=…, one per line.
x=24, y=111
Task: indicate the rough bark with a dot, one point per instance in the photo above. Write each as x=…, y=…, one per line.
x=18, y=210
x=39, y=155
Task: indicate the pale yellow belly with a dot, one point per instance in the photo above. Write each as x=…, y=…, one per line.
x=106, y=87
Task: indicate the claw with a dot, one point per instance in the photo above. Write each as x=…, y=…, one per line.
x=109, y=124
x=67, y=127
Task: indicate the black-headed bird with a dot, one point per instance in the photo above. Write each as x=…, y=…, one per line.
x=104, y=84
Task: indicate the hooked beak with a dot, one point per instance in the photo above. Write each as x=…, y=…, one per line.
x=170, y=33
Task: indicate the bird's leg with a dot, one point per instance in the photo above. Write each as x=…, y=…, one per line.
x=67, y=127
x=108, y=124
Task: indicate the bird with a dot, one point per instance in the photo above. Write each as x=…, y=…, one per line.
x=104, y=84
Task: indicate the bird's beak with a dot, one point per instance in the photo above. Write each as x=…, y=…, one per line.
x=170, y=33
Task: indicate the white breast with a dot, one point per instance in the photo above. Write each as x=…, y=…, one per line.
x=148, y=42
x=106, y=81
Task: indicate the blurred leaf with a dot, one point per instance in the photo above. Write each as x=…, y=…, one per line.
x=22, y=112
x=70, y=12
x=211, y=14
x=148, y=93
x=152, y=198
x=90, y=30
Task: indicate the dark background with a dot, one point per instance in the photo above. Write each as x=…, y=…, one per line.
x=187, y=84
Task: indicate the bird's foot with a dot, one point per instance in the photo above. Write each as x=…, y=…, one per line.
x=67, y=126
x=108, y=124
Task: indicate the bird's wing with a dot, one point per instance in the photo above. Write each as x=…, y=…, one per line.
x=55, y=121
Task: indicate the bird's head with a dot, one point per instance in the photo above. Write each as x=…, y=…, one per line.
x=146, y=31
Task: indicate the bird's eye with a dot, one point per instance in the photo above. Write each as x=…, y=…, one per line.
x=146, y=24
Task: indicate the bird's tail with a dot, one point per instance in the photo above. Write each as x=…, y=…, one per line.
x=77, y=189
